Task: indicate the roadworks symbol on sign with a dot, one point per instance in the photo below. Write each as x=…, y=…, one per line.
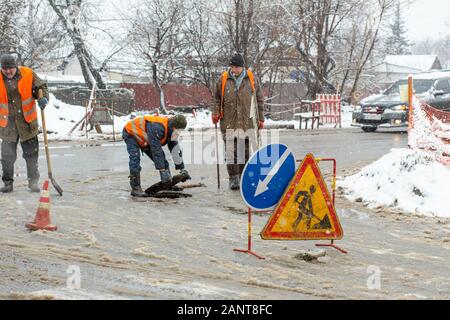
x=305, y=211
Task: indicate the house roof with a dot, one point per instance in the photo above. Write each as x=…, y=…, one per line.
x=392, y=68
x=421, y=63
x=433, y=75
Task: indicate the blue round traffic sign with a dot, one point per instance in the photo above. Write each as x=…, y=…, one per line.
x=266, y=176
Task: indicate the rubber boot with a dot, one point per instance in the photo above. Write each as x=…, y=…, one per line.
x=234, y=182
x=8, y=176
x=135, y=183
x=33, y=175
x=8, y=188
x=33, y=185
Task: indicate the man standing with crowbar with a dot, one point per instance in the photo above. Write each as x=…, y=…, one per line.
x=239, y=108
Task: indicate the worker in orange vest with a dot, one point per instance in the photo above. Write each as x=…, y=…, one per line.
x=19, y=88
x=148, y=134
x=232, y=109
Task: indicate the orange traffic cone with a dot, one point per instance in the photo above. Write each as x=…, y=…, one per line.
x=42, y=219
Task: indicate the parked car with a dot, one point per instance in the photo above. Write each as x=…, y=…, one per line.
x=387, y=110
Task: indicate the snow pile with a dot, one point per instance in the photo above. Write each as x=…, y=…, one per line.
x=407, y=179
x=202, y=120
x=61, y=118
x=199, y=120
x=346, y=115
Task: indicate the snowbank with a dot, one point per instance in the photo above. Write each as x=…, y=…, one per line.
x=202, y=120
x=428, y=131
x=61, y=119
x=406, y=179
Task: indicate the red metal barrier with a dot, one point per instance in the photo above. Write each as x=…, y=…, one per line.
x=429, y=128
x=330, y=108
x=249, y=238
x=333, y=188
x=249, y=241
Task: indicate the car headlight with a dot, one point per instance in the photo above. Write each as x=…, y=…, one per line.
x=400, y=108
x=357, y=109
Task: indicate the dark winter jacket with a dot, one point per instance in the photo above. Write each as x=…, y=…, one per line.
x=237, y=103
x=155, y=132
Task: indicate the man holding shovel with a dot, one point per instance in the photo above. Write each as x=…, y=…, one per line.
x=19, y=87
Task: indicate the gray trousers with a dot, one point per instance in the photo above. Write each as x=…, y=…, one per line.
x=30, y=150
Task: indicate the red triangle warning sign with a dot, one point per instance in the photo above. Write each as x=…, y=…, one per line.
x=305, y=211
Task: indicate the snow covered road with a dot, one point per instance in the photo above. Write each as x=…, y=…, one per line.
x=124, y=248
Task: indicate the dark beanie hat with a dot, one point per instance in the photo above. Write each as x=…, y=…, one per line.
x=179, y=122
x=237, y=60
x=8, y=61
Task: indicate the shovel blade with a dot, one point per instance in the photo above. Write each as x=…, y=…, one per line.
x=57, y=187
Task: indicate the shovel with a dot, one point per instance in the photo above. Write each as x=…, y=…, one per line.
x=47, y=152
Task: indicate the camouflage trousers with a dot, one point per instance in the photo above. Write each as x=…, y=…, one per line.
x=237, y=152
x=30, y=150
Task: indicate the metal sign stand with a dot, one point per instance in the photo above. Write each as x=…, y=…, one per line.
x=252, y=185
x=333, y=187
x=249, y=244
x=332, y=245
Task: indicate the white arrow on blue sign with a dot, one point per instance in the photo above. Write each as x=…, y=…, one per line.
x=266, y=176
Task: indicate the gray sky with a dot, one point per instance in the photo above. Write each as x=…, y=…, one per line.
x=423, y=17
x=427, y=18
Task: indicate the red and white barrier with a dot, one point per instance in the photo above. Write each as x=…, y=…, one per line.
x=330, y=108
x=430, y=130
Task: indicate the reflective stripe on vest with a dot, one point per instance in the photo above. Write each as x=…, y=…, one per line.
x=24, y=85
x=3, y=104
x=3, y=115
x=138, y=129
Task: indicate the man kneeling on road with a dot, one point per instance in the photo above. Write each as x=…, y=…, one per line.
x=19, y=87
x=149, y=134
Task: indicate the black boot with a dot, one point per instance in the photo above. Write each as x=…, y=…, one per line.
x=135, y=183
x=8, y=188
x=8, y=174
x=234, y=182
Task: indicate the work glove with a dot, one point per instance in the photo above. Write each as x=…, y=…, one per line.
x=261, y=125
x=42, y=102
x=215, y=118
x=165, y=176
x=184, y=172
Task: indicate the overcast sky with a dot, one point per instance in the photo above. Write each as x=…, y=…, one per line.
x=423, y=17
x=427, y=18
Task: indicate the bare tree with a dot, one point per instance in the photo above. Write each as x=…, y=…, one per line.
x=156, y=37
x=202, y=48
x=439, y=47
x=374, y=16
x=40, y=37
x=71, y=14
x=315, y=28
x=256, y=29
x=9, y=11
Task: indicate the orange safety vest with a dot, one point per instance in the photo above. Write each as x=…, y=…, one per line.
x=138, y=129
x=25, y=86
x=251, y=77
